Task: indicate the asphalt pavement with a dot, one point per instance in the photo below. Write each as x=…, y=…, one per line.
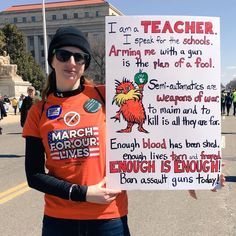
x=151, y=213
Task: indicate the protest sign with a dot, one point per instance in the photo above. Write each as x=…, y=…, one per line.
x=163, y=102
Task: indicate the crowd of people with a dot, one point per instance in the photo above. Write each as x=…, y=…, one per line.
x=228, y=101
x=19, y=106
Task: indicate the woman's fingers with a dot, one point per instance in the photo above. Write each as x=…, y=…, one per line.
x=102, y=183
x=222, y=180
x=193, y=194
x=110, y=199
x=108, y=190
x=99, y=194
x=112, y=191
x=222, y=183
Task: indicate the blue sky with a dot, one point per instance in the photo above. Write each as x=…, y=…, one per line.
x=219, y=8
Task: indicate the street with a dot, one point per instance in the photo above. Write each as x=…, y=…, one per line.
x=151, y=213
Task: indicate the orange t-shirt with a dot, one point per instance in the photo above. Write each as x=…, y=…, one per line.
x=73, y=134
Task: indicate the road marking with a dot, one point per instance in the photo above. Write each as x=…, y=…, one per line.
x=13, y=192
x=222, y=141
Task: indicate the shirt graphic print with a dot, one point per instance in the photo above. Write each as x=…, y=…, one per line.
x=74, y=144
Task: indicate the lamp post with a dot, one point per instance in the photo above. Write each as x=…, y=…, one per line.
x=45, y=40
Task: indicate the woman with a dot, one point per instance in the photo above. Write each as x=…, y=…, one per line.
x=68, y=125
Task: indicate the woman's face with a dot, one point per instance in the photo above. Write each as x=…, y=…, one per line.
x=68, y=72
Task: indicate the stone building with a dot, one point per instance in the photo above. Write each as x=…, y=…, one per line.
x=87, y=15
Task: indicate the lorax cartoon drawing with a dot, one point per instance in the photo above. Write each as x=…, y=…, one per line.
x=129, y=99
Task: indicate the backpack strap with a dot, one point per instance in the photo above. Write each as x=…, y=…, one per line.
x=42, y=109
x=100, y=95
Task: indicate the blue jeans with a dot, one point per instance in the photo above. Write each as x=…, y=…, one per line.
x=65, y=227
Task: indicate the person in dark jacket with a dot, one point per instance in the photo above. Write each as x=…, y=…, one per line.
x=228, y=102
x=26, y=104
x=3, y=112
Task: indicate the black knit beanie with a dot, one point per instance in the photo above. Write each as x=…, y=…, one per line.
x=69, y=36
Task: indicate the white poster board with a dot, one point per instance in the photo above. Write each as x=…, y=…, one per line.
x=163, y=102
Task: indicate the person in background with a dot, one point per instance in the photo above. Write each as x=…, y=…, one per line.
x=3, y=112
x=37, y=97
x=234, y=102
x=14, y=104
x=22, y=96
x=228, y=102
x=6, y=102
x=26, y=104
x=72, y=110
x=223, y=95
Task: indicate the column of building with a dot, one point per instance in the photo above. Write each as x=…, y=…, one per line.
x=36, y=48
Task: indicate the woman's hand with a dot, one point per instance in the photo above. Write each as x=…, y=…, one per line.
x=98, y=194
x=222, y=183
x=193, y=194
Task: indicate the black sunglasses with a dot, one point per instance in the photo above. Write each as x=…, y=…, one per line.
x=64, y=56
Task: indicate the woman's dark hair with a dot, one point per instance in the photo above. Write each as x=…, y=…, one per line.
x=50, y=85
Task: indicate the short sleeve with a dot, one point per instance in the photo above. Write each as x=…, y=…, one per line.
x=31, y=126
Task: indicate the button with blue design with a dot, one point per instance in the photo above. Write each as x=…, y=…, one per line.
x=54, y=112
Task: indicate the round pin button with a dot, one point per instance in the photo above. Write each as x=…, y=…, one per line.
x=92, y=105
x=54, y=112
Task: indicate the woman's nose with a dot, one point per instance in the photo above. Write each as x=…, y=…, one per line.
x=72, y=60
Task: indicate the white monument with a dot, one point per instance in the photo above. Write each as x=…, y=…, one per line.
x=11, y=84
